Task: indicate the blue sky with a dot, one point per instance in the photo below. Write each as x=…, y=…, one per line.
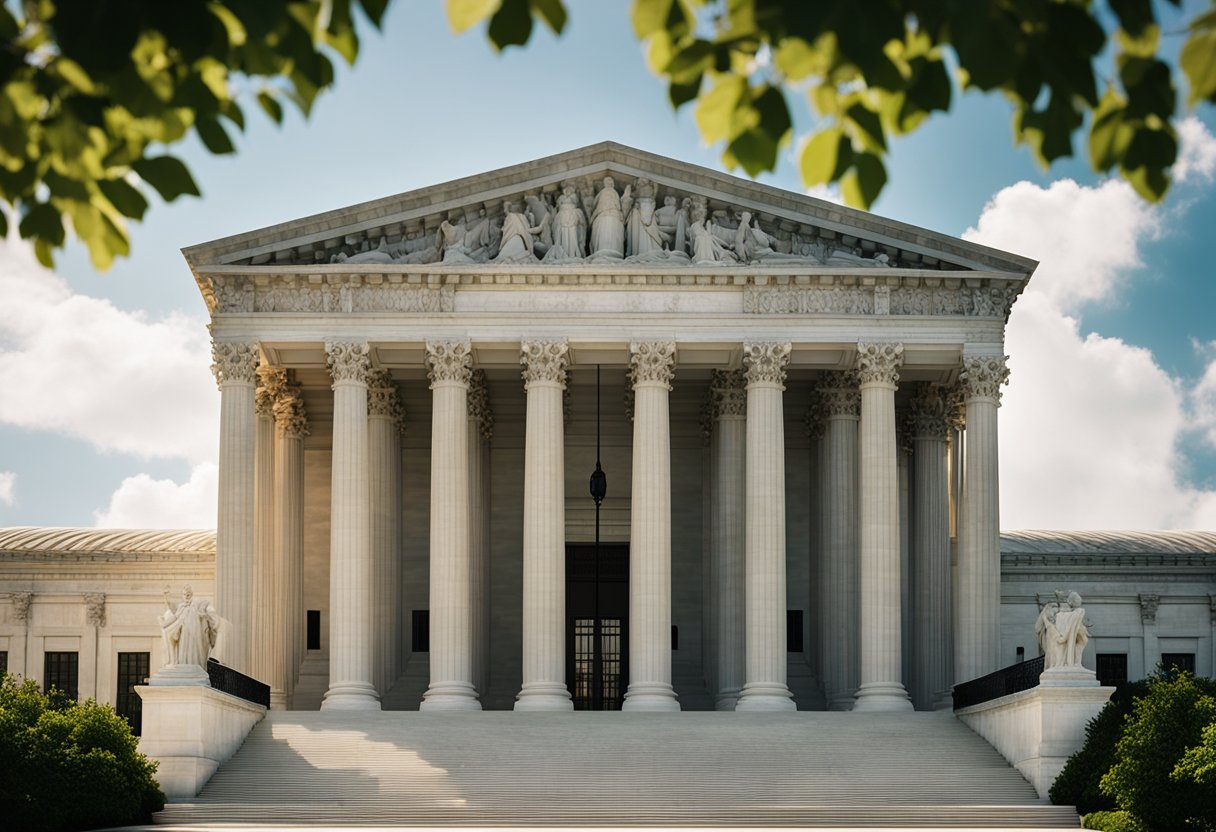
x=106, y=407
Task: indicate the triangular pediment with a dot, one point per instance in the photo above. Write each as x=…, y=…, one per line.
x=791, y=229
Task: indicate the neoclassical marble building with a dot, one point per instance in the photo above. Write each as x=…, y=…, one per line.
x=794, y=404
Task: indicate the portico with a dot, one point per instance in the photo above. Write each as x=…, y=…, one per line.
x=799, y=438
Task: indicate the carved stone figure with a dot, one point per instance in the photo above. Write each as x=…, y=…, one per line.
x=753, y=245
x=1062, y=631
x=189, y=630
x=380, y=254
x=451, y=240
x=608, y=220
x=642, y=232
x=517, y=243
x=706, y=247
x=674, y=223
x=569, y=226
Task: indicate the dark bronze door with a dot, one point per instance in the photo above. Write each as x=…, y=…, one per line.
x=597, y=625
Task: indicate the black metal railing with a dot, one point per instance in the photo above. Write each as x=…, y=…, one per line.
x=227, y=680
x=1013, y=679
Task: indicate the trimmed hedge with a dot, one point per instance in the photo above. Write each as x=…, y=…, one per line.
x=69, y=766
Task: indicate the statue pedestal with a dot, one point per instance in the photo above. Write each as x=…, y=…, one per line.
x=179, y=675
x=190, y=729
x=1037, y=730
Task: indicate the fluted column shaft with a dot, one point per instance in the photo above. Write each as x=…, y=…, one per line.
x=653, y=366
x=291, y=428
x=480, y=430
x=730, y=510
x=351, y=683
x=384, y=485
x=271, y=599
x=932, y=597
x=841, y=402
x=544, y=613
x=881, y=661
x=451, y=686
x=978, y=628
x=235, y=366
x=764, y=560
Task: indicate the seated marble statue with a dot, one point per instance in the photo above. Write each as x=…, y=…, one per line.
x=753, y=245
x=707, y=249
x=517, y=242
x=189, y=631
x=450, y=239
x=1062, y=631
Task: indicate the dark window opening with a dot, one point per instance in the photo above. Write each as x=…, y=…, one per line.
x=1112, y=668
x=1021, y=654
x=62, y=671
x=1178, y=661
x=793, y=631
x=3, y=662
x=420, y=631
x=313, y=629
x=133, y=670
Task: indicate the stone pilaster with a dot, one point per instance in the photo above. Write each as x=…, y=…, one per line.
x=978, y=629
x=544, y=609
x=291, y=426
x=451, y=687
x=932, y=596
x=351, y=685
x=653, y=367
x=881, y=687
x=235, y=368
x=815, y=421
x=730, y=450
x=841, y=404
x=764, y=570
x=266, y=589
x=384, y=413
x=481, y=429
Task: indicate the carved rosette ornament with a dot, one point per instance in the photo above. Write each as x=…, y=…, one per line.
x=449, y=361
x=234, y=362
x=879, y=363
x=839, y=395
x=479, y=404
x=95, y=608
x=652, y=362
x=544, y=361
x=929, y=413
x=271, y=381
x=729, y=388
x=765, y=362
x=1148, y=607
x=290, y=417
x=349, y=361
x=983, y=376
x=21, y=601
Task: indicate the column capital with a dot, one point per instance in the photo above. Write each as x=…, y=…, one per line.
x=479, y=403
x=839, y=395
x=729, y=391
x=271, y=381
x=544, y=361
x=290, y=417
x=383, y=398
x=929, y=413
x=815, y=419
x=983, y=376
x=765, y=362
x=95, y=608
x=652, y=362
x=449, y=361
x=348, y=361
x=21, y=602
x=879, y=363
x=234, y=362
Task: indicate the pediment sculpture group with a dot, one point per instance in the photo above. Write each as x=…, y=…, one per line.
x=590, y=223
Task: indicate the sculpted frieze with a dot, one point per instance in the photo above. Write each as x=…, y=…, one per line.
x=241, y=296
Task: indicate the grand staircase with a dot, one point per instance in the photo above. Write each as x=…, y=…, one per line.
x=617, y=769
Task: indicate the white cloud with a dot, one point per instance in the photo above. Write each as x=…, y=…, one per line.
x=1203, y=397
x=1196, y=152
x=122, y=381
x=8, y=481
x=144, y=502
x=1090, y=426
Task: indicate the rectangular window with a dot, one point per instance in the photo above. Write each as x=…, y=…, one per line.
x=1112, y=668
x=133, y=670
x=3, y=662
x=1178, y=661
x=793, y=631
x=420, y=630
x=675, y=637
x=62, y=670
x=313, y=628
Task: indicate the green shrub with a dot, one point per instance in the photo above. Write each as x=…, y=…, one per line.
x=1079, y=781
x=69, y=766
x=1198, y=764
x=1167, y=721
x=1115, y=821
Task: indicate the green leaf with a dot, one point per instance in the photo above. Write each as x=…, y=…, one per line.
x=66, y=187
x=649, y=16
x=825, y=157
x=374, y=9
x=931, y=88
x=550, y=11
x=796, y=59
x=754, y=150
x=271, y=106
x=1109, y=133
x=1152, y=149
x=3, y=224
x=1151, y=183
x=1134, y=15
x=862, y=184
x=985, y=40
x=1149, y=86
x=511, y=25
x=716, y=108
x=681, y=94
x=690, y=61
x=867, y=127
x=169, y=176
x=125, y=197
x=1198, y=61
x=42, y=222
x=214, y=136
x=465, y=14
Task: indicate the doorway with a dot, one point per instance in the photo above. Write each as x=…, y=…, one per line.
x=597, y=625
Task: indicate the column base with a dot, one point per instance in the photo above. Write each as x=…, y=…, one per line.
x=727, y=700
x=765, y=696
x=351, y=696
x=450, y=696
x=841, y=700
x=544, y=696
x=650, y=696
x=278, y=700
x=944, y=700
x=882, y=696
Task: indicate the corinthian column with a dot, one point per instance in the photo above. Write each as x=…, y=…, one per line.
x=653, y=366
x=932, y=597
x=291, y=422
x=977, y=632
x=765, y=688
x=730, y=449
x=881, y=661
x=384, y=414
x=544, y=647
x=350, y=553
x=451, y=688
x=235, y=369
x=481, y=429
x=266, y=590
x=841, y=406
